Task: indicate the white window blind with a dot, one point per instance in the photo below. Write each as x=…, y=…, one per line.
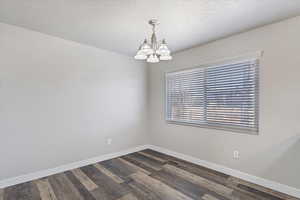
x=220, y=97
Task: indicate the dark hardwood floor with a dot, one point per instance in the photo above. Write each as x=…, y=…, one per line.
x=145, y=175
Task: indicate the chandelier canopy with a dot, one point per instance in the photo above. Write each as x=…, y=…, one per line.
x=155, y=51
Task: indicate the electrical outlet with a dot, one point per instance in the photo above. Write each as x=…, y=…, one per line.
x=108, y=141
x=236, y=154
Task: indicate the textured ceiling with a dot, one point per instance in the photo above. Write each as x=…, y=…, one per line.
x=120, y=25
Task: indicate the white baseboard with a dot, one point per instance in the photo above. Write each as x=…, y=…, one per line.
x=43, y=173
x=232, y=172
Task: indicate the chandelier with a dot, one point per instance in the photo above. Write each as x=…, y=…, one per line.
x=155, y=51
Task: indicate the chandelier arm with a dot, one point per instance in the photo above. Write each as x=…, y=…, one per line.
x=153, y=28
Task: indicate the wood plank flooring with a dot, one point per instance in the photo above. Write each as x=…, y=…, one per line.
x=145, y=175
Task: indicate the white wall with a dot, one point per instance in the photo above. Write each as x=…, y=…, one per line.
x=60, y=100
x=274, y=153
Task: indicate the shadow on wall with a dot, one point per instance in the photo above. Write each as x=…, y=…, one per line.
x=278, y=158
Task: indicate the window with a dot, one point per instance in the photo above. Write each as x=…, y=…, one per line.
x=221, y=97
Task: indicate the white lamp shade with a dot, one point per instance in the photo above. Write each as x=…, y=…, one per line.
x=147, y=49
x=165, y=57
x=153, y=58
x=163, y=50
x=140, y=55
